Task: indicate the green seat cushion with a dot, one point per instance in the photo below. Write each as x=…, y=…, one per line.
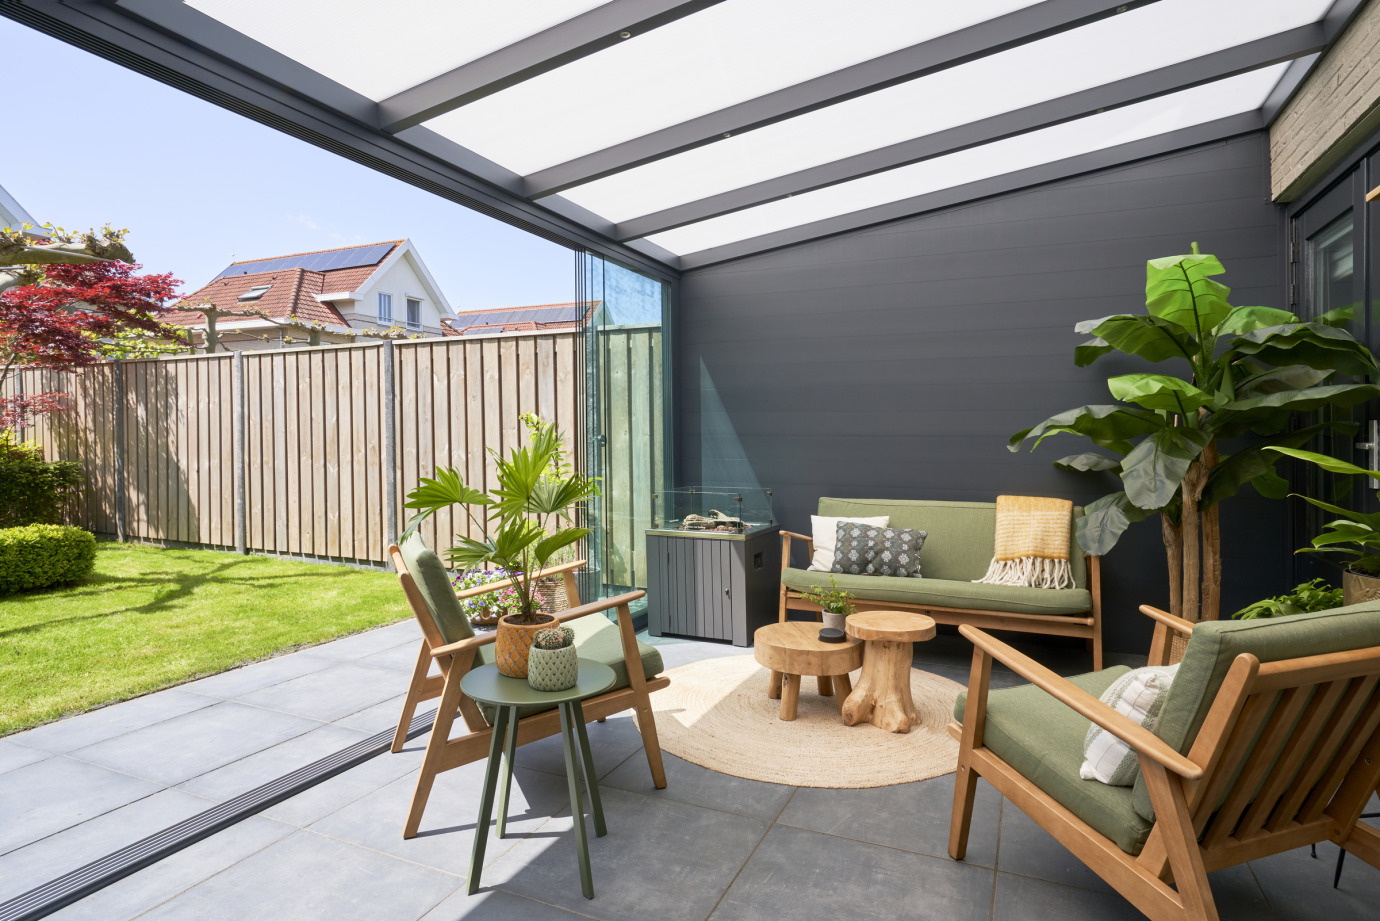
x=433, y=581
x=1043, y=740
x=1214, y=645
x=597, y=638
x=945, y=593
x=962, y=535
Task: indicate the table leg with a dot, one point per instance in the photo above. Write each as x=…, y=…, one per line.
x=486, y=801
x=826, y=686
x=506, y=785
x=790, y=696
x=774, y=689
x=577, y=810
x=843, y=686
x=596, y=805
x=882, y=696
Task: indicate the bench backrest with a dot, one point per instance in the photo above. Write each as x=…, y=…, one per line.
x=962, y=535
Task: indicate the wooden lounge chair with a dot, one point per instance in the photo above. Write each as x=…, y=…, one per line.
x=1268, y=740
x=448, y=639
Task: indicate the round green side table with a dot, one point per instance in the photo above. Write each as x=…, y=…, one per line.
x=486, y=685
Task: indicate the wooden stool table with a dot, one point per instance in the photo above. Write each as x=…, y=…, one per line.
x=792, y=649
x=882, y=696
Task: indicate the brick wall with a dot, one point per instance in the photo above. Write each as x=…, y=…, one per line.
x=1337, y=106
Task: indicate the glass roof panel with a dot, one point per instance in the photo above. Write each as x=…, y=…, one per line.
x=720, y=56
x=1102, y=52
x=380, y=49
x=1220, y=99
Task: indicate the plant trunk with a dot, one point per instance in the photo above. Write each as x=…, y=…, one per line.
x=1212, y=543
x=1174, y=550
x=1188, y=518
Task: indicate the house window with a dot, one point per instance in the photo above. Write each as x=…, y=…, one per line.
x=414, y=313
x=254, y=293
x=385, y=308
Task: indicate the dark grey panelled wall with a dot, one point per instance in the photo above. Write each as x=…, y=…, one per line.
x=896, y=361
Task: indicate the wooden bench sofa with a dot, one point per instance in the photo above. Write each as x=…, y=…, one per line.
x=957, y=551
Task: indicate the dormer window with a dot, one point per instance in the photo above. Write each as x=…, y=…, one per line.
x=254, y=293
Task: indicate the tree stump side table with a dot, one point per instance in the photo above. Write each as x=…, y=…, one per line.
x=792, y=649
x=882, y=696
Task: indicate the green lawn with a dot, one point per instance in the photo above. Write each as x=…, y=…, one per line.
x=151, y=617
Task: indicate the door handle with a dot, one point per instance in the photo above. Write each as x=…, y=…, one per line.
x=1372, y=449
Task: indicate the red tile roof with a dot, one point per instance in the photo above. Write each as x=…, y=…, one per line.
x=291, y=294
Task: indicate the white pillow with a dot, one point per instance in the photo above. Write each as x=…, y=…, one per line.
x=825, y=532
x=1138, y=694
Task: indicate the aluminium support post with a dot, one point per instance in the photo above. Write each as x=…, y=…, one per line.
x=390, y=449
x=238, y=444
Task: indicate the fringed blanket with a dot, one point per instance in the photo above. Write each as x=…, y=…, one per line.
x=1032, y=543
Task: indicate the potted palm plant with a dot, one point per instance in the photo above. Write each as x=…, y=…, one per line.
x=530, y=519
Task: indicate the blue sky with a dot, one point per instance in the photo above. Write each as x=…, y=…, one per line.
x=195, y=183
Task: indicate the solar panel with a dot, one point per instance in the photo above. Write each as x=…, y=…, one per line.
x=314, y=262
x=562, y=313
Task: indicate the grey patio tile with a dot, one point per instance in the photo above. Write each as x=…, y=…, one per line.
x=51, y=857
x=400, y=658
x=611, y=742
x=75, y=732
x=367, y=643
x=125, y=899
x=447, y=831
x=1021, y=898
x=382, y=715
x=660, y=859
x=310, y=876
x=187, y=746
x=339, y=791
x=1300, y=888
x=330, y=693
x=1029, y=850
x=912, y=817
x=806, y=876
x=676, y=653
x=257, y=675
x=47, y=796
x=16, y=756
x=698, y=786
x=261, y=767
x=497, y=906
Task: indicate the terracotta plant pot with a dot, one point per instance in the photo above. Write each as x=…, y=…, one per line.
x=514, y=642
x=553, y=669
x=1358, y=587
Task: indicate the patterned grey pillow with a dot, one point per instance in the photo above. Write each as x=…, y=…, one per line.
x=869, y=550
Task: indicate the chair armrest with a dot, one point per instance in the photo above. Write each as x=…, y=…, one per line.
x=593, y=607
x=1084, y=704
x=1169, y=620
x=786, y=537
x=1160, y=645
x=488, y=587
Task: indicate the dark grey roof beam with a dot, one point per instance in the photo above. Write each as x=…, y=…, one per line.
x=600, y=28
x=985, y=38
x=1119, y=155
x=1216, y=66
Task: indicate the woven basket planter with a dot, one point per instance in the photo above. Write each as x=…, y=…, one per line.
x=553, y=595
x=513, y=642
x=553, y=669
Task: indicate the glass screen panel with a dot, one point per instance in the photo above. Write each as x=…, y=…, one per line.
x=720, y=56
x=1102, y=52
x=1168, y=113
x=380, y=49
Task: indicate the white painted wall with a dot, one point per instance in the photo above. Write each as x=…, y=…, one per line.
x=402, y=280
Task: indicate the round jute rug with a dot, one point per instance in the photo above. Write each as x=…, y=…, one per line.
x=716, y=714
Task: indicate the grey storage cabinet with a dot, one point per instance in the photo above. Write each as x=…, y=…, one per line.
x=713, y=586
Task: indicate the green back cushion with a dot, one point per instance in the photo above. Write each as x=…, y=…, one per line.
x=1216, y=644
x=962, y=535
x=433, y=581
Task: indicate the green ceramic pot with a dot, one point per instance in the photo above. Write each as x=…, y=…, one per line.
x=553, y=669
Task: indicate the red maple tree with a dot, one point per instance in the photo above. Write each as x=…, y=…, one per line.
x=59, y=323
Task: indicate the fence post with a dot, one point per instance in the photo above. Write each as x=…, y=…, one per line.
x=237, y=442
x=119, y=449
x=390, y=450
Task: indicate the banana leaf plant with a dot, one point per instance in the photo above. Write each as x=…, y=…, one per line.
x=1247, y=378
x=530, y=516
x=1355, y=534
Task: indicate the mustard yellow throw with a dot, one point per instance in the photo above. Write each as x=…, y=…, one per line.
x=1032, y=543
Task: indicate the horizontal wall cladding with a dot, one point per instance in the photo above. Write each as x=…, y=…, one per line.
x=896, y=361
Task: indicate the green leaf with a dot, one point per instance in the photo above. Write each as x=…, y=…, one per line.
x=1316, y=345
x=1276, y=380
x=564, y=538
x=1243, y=320
x=1271, y=485
x=1148, y=337
x=1158, y=391
x=1088, y=352
x=1179, y=289
x=1104, y=521
x=1153, y=472
x=1088, y=462
x=1107, y=426
x=1330, y=464
x=1337, y=316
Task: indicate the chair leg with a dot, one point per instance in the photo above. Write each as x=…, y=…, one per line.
x=1180, y=841
x=414, y=688
x=435, y=749
x=646, y=724
x=965, y=788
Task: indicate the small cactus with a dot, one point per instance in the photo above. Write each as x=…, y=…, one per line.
x=554, y=638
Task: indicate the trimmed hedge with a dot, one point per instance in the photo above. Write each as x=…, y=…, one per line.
x=40, y=555
x=32, y=490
